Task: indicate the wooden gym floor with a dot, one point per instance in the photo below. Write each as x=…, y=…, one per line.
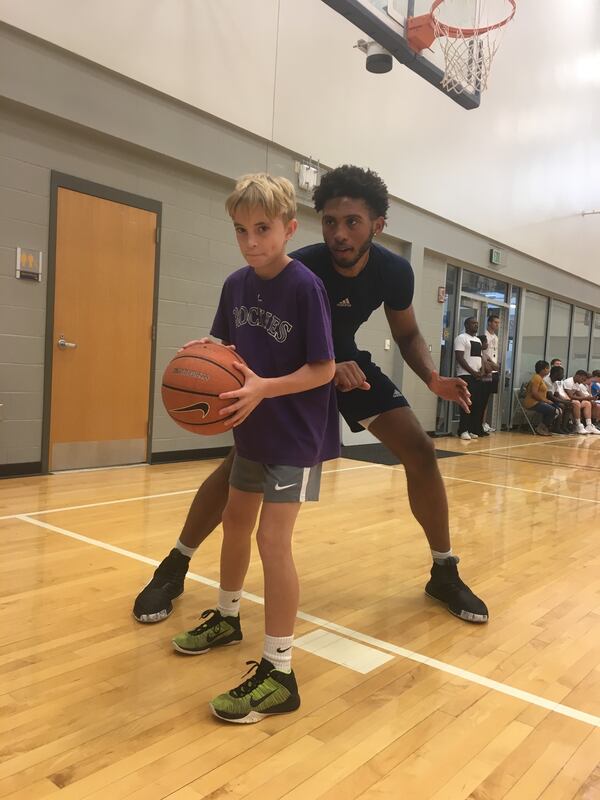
x=400, y=699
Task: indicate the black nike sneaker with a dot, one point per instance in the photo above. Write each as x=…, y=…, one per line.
x=446, y=586
x=155, y=602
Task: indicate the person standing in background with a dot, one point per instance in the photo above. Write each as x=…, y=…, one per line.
x=467, y=352
x=493, y=325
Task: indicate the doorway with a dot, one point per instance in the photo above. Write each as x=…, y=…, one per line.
x=470, y=294
x=482, y=309
x=100, y=342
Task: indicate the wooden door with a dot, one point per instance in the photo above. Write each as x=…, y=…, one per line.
x=104, y=288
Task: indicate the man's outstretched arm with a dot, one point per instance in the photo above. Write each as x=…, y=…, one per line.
x=406, y=333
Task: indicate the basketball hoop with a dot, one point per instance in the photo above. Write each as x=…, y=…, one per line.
x=468, y=52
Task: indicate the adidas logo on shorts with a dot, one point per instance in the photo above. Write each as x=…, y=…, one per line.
x=397, y=393
x=345, y=303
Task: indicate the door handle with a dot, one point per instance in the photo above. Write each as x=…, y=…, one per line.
x=64, y=345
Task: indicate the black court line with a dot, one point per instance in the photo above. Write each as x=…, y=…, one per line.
x=379, y=454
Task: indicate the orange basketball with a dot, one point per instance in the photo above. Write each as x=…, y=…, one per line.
x=192, y=383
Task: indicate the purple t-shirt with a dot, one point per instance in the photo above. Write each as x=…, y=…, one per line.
x=277, y=326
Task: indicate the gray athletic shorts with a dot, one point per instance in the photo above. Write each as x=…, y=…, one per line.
x=277, y=483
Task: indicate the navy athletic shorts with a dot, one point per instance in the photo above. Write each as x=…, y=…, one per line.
x=360, y=404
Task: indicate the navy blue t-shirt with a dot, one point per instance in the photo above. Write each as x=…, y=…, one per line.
x=277, y=325
x=387, y=278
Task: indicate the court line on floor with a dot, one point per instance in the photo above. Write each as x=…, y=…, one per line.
x=523, y=460
x=500, y=485
x=151, y=496
x=434, y=663
x=325, y=472
x=520, y=489
x=467, y=452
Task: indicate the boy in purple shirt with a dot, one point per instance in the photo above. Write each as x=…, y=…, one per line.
x=275, y=313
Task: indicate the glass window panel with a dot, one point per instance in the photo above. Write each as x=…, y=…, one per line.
x=559, y=329
x=488, y=288
x=580, y=340
x=533, y=334
x=595, y=354
x=506, y=368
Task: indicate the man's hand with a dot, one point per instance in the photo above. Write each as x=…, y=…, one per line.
x=349, y=376
x=453, y=389
x=248, y=396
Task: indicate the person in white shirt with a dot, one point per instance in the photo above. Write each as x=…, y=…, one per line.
x=562, y=401
x=493, y=324
x=467, y=353
x=579, y=394
x=556, y=362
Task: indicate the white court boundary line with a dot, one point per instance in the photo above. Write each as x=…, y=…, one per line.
x=468, y=451
x=496, y=485
x=325, y=472
x=149, y=497
x=434, y=663
x=520, y=489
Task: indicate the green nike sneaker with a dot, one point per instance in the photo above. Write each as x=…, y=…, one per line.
x=267, y=692
x=217, y=631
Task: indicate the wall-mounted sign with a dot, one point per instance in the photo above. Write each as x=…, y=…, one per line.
x=29, y=264
x=495, y=256
x=441, y=294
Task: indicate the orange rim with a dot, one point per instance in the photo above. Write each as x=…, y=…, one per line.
x=457, y=33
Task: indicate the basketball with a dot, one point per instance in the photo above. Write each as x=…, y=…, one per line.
x=192, y=383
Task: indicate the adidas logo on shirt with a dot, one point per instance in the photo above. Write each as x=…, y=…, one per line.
x=345, y=303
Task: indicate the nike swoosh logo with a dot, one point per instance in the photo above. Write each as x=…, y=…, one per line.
x=279, y=488
x=254, y=703
x=203, y=408
x=279, y=650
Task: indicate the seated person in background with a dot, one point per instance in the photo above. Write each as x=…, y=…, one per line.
x=593, y=386
x=577, y=390
x=556, y=362
x=536, y=398
x=559, y=398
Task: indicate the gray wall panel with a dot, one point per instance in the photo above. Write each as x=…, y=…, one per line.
x=23, y=205
x=25, y=177
x=66, y=114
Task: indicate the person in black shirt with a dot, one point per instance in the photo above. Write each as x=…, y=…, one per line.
x=359, y=276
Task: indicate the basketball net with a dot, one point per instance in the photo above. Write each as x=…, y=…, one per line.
x=468, y=51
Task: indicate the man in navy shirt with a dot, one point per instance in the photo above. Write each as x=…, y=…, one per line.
x=358, y=276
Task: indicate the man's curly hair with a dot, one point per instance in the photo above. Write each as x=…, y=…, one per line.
x=355, y=182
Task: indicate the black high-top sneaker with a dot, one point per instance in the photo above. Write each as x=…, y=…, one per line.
x=154, y=602
x=446, y=586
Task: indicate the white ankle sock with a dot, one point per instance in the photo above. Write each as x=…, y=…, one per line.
x=439, y=558
x=278, y=650
x=229, y=603
x=184, y=549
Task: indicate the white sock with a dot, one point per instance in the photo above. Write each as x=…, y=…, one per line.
x=278, y=650
x=184, y=549
x=229, y=603
x=439, y=558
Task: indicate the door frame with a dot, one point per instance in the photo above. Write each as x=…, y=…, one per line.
x=484, y=302
x=483, y=305
x=60, y=180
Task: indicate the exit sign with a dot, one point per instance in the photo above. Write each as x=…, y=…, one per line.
x=495, y=256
